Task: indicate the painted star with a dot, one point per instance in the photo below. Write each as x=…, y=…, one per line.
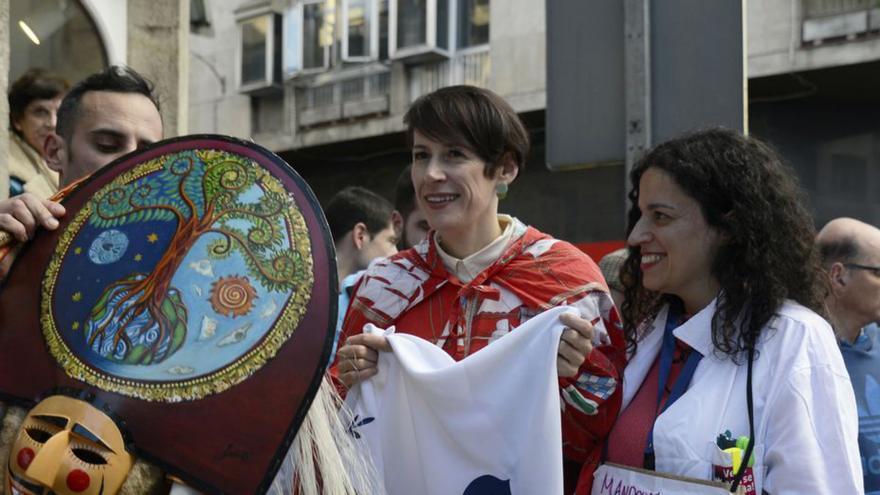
x=75, y=325
x=77, y=296
x=152, y=238
x=138, y=257
x=78, y=250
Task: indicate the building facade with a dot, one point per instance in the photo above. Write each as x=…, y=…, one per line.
x=325, y=83
x=813, y=67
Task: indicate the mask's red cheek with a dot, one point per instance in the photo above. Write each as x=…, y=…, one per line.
x=78, y=480
x=25, y=457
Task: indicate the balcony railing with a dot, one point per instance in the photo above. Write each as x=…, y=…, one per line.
x=827, y=20
x=341, y=96
x=466, y=67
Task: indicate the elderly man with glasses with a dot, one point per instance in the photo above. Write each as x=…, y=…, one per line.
x=850, y=252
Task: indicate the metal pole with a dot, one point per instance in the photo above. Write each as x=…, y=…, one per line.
x=637, y=78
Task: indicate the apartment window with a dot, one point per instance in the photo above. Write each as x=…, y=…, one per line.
x=359, y=22
x=839, y=20
x=198, y=15
x=308, y=29
x=313, y=46
x=473, y=23
x=383, y=30
x=412, y=23
x=259, y=43
x=365, y=30
x=423, y=27
x=254, y=48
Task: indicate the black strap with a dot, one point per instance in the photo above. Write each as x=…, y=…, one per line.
x=751, y=445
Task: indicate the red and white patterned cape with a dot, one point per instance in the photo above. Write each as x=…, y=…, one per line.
x=413, y=291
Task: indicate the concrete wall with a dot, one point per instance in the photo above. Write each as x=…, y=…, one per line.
x=215, y=103
x=518, y=68
x=518, y=44
x=158, y=33
x=774, y=42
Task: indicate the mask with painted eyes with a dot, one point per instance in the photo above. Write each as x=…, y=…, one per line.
x=68, y=447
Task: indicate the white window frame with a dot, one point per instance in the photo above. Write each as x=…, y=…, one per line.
x=430, y=45
x=269, y=79
x=298, y=12
x=373, y=6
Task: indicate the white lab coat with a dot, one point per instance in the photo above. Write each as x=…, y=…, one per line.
x=806, y=422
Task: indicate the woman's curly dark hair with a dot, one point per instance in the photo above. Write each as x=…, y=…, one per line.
x=746, y=192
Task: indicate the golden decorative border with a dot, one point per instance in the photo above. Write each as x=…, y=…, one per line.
x=212, y=383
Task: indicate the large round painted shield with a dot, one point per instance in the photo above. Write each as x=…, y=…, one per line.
x=192, y=286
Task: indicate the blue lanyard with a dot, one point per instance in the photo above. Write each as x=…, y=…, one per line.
x=667, y=352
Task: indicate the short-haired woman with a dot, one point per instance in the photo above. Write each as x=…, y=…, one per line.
x=482, y=274
x=34, y=99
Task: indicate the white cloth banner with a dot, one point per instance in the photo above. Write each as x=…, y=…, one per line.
x=489, y=424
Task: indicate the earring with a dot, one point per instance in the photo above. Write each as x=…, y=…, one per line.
x=501, y=190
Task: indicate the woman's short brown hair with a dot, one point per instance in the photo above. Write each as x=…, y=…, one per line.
x=474, y=117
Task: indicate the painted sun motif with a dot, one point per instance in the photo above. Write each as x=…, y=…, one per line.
x=233, y=296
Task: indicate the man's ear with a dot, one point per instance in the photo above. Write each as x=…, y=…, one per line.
x=837, y=276
x=359, y=235
x=55, y=152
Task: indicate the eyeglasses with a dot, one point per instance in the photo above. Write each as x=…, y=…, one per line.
x=875, y=270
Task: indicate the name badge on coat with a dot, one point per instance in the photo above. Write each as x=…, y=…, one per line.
x=612, y=479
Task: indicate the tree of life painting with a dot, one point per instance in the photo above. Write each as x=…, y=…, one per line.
x=178, y=279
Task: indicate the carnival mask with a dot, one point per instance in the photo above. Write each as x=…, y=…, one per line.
x=66, y=446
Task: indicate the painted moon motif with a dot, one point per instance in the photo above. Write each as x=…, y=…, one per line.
x=108, y=247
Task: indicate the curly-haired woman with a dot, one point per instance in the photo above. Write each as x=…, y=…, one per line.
x=722, y=289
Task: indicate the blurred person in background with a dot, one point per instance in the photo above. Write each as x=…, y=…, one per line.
x=34, y=99
x=361, y=223
x=610, y=264
x=850, y=251
x=411, y=224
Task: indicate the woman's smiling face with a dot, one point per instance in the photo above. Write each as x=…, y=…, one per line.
x=451, y=187
x=676, y=244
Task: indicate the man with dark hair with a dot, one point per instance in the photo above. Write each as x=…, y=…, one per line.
x=361, y=223
x=103, y=117
x=33, y=105
x=850, y=252
x=412, y=225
